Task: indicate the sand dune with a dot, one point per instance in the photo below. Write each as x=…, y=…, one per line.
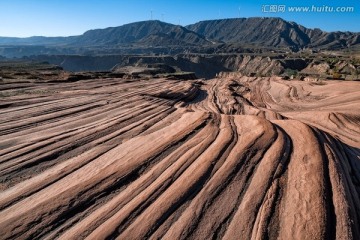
x=228, y=158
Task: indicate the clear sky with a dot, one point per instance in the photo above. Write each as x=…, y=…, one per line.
x=23, y=18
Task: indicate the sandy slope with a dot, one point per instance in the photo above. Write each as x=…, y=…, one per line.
x=245, y=158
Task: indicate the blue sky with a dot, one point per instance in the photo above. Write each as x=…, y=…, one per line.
x=23, y=18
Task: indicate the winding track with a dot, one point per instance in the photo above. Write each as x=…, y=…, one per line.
x=245, y=158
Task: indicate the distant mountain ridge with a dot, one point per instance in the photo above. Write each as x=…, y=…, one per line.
x=37, y=40
x=263, y=32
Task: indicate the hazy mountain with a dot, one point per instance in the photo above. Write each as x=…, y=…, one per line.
x=37, y=40
x=274, y=32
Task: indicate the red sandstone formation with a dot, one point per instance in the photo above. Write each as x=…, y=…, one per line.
x=228, y=158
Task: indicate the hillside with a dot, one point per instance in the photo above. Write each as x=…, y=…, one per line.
x=274, y=32
x=147, y=33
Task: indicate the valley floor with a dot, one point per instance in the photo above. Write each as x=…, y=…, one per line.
x=228, y=158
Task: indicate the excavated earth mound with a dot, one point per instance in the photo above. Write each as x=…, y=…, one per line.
x=228, y=158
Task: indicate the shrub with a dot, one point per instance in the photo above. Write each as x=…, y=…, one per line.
x=291, y=72
x=336, y=75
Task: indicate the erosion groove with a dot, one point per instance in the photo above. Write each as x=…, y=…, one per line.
x=227, y=158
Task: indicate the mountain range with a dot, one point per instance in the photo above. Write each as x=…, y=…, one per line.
x=263, y=32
